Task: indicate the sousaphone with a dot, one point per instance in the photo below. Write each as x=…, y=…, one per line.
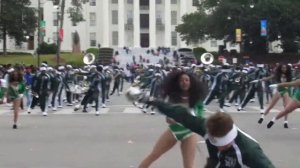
x=207, y=58
x=89, y=58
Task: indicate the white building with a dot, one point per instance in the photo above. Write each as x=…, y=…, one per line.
x=119, y=23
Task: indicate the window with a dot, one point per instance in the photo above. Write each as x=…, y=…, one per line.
x=158, y=1
x=144, y=21
x=54, y=37
x=92, y=2
x=114, y=17
x=93, y=40
x=195, y=2
x=114, y=1
x=130, y=1
x=213, y=43
x=55, y=19
x=115, y=38
x=174, y=38
x=173, y=1
x=174, y=17
x=158, y=17
x=92, y=19
x=130, y=17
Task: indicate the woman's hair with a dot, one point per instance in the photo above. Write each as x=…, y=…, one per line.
x=171, y=88
x=278, y=73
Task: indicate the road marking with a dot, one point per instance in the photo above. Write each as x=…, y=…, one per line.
x=132, y=110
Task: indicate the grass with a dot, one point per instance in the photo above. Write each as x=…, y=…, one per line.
x=28, y=59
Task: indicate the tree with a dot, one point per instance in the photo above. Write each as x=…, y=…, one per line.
x=17, y=20
x=75, y=13
x=221, y=18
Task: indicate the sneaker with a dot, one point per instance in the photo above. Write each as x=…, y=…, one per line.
x=222, y=110
x=49, y=106
x=285, y=125
x=69, y=104
x=60, y=106
x=270, y=124
x=121, y=93
x=252, y=100
x=144, y=110
x=77, y=107
x=15, y=126
x=152, y=112
x=45, y=114
x=29, y=111
x=54, y=109
x=97, y=113
x=260, y=120
x=236, y=104
x=262, y=111
x=227, y=104
x=103, y=106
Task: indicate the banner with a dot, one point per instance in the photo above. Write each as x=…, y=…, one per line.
x=61, y=34
x=238, y=35
x=42, y=28
x=263, y=28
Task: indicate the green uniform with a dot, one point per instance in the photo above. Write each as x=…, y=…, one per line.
x=244, y=152
x=283, y=90
x=296, y=95
x=179, y=131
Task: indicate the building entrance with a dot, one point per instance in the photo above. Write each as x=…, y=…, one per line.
x=144, y=40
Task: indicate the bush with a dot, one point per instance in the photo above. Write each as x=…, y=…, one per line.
x=95, y=51
x=46, y=48
x=198, y=52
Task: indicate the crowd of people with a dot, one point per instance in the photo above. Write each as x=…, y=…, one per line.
x=181, y=93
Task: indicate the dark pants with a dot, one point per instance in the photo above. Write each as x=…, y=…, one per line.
x=251, y=94
x=239, y=93
x=116, y=87
x=43, y=101
x=69, y=97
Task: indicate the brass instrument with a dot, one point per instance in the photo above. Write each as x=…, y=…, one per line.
x=89, y=58
x=207, y=58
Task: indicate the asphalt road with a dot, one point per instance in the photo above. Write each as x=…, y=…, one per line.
x=122, y=136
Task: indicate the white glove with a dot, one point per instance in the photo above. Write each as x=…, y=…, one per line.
x=254, y=81
x=273, y=86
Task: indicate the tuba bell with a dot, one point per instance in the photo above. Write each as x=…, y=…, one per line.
x=207, y=58
x=89, y=58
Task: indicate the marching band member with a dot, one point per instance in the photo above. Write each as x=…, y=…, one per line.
x=69, y=82
x=219, y=87
x=56, y=87
x=256, y=85
x=42, y=86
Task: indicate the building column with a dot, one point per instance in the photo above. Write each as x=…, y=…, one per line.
x=121, y=23
x=136, y=24
x=106, y=23
x=168, y=29
x=152, y=24
x=182, y=12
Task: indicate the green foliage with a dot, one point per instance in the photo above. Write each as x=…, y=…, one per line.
x=17, y=19
x=46, y=48
x=95, y=51
x=198, y=52
x=68, y=58
x=221, y=18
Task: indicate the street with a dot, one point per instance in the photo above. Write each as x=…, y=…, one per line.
x=122, y=136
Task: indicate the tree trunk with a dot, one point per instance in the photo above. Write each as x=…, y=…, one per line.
x=4, y=40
